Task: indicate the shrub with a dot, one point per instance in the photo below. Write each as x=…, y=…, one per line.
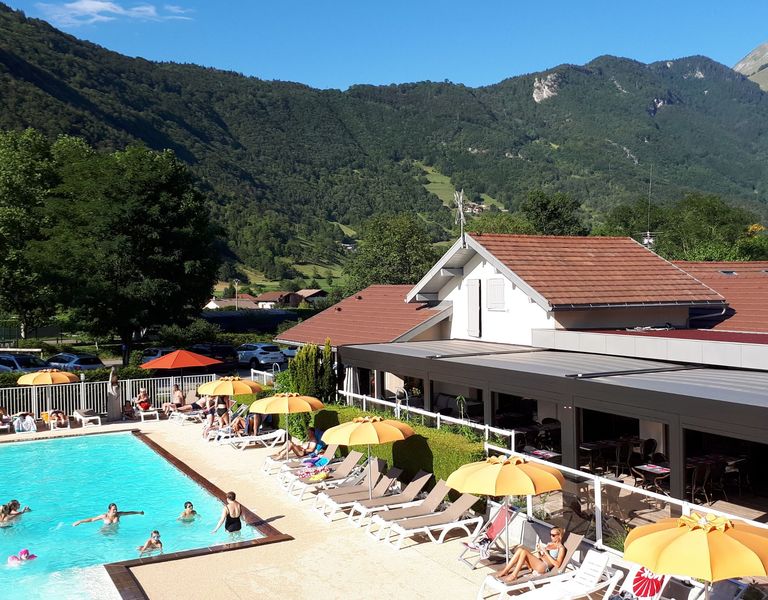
x=435, y=450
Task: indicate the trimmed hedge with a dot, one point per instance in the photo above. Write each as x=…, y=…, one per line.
x=9, y=379
x=434, y=450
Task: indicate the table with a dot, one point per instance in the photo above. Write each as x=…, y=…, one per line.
x=658, y=473
x=545, y=454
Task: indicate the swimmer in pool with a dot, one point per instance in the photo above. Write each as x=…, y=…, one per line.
x=11, y=511
x=189, y=513
x=111, y=517
x=153, y=543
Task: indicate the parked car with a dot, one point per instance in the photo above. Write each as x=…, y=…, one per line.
x=153, y=353
x=259, y=355
x=22, y=362
x=226, y=353
x=290, y=351
x=75, y=362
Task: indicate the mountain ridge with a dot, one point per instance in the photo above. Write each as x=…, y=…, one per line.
x=281, y=160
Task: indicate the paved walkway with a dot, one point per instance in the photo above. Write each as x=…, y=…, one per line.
x=324, y=561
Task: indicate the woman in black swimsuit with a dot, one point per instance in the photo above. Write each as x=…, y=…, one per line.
x=222, y=410
x=230, y=515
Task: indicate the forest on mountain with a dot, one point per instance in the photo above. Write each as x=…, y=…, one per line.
x=290, y=172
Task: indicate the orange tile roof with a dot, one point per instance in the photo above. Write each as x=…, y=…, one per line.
x=570, y=271
x=745, y=292
x=271, y=296
x=376, y=314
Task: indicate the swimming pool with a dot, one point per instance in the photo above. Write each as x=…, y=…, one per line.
x=67, y=479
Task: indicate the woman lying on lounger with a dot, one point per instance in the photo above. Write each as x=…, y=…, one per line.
x=111, y=517
x=543, y=559
x=299, y=449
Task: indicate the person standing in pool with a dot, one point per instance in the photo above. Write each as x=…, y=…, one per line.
x=230, y=515
x=189, y=513
x=111, y=517
x=10, y=511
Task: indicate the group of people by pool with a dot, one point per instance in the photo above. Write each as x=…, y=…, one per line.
x=230, y=517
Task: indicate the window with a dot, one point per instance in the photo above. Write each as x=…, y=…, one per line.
x=473, y=308
x=89, y=361
x=730, y=273
x=8, y=363
x=270, y=349
x=494, y=294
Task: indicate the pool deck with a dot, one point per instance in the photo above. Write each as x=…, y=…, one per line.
x=327, y=560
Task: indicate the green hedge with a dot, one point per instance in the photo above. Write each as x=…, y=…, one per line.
x=434, y=450
x=9, y=379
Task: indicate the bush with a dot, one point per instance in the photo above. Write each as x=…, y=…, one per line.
x=9, y=379
x=434, y=450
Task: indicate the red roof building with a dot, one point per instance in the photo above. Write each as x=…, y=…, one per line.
x=745, y=287
x=589, y=271
x=378, y=313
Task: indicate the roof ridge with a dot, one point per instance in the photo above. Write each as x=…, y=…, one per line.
x=537, y=236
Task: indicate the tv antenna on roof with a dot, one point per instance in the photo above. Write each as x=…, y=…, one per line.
x=461, y=220
x=648, y=239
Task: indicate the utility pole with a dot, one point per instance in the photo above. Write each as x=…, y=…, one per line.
x=237, y=283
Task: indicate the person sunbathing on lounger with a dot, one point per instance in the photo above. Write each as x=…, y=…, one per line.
x=111, y=517
x=58, y=417
x=298, y=448
x=177, y=401
x=541, y=560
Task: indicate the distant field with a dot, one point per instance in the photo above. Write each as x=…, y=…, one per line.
x=257, y=278
x=346, y=229
x=440, y=185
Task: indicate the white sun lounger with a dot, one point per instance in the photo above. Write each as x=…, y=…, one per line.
x=268, y=439
x=364, y=508
x=590, y=578
x=341, y=472
x=87, y=417
x=371, y=472
x=437, y=525
x=333, y=504
x=54, y=424
x=420, y=508
x=181, y=417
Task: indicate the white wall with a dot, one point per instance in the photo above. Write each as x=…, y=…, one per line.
x=512, y=325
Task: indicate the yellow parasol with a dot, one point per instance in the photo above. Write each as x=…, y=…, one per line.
x=506, y=477
x=702, y=546
x=285, y=404
x=47, y=377
x=229, y=386
x=368, y=431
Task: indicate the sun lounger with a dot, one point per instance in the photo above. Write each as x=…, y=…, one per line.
x=364, y=508
x=87, y=417
x=436, y=526
x=589, y=578
x=150, y=413
x=53, y=423
x=181, y=417
x=371, y=472
x=571, y=543
x=426, y=506
x=333, y=505
x=282, y=465
x=494, y=535
x=267, y=439
x=337, y=474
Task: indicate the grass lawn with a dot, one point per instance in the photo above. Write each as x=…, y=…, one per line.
x=440, y=185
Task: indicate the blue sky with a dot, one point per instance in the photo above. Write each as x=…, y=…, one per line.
x=336, y=43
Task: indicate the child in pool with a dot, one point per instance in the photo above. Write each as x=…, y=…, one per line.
x=189, y=513
x=153, y=543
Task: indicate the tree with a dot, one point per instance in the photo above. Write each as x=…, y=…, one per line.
x=553, y=214
x=327, y=374
x=131, y=243
x=26, y=177
x=229, y=291
x=393, y=250
x=499, y=222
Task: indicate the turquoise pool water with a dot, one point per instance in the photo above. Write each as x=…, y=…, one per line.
x=63, y=480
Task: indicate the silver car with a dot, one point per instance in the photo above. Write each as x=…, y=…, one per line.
x=259, y=355
x=75, y=362
x=22, y=362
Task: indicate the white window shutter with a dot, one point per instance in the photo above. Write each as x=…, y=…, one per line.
x=473, y=307
x=494, y=294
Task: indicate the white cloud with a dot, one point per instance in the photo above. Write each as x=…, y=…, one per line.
x=85, y=12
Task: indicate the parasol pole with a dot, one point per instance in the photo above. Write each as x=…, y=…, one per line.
x=370, y=474
x=505, y=506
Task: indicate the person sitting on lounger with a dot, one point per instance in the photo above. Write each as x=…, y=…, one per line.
x=24, y=422
x=177, y=401
x=297, y=447
x=58, y=417
x=111, y=517
x=128, y=412
x=142, y=400
x=543, y=559
x=152, y=544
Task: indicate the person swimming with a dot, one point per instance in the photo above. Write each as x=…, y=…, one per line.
x=189, y=513
x=111, y=517
x=152, y=544
x=11, y=511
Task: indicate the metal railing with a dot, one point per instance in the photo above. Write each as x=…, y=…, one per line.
x=263, y=377
x=596, y=500
x=401, y=410
x=92, y=395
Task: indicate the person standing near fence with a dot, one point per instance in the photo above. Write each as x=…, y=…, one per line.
x=114, y=406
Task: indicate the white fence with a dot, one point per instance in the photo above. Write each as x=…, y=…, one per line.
x=606, y=507
x=90, y=395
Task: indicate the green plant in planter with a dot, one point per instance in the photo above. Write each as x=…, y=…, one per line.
x=615, y=538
